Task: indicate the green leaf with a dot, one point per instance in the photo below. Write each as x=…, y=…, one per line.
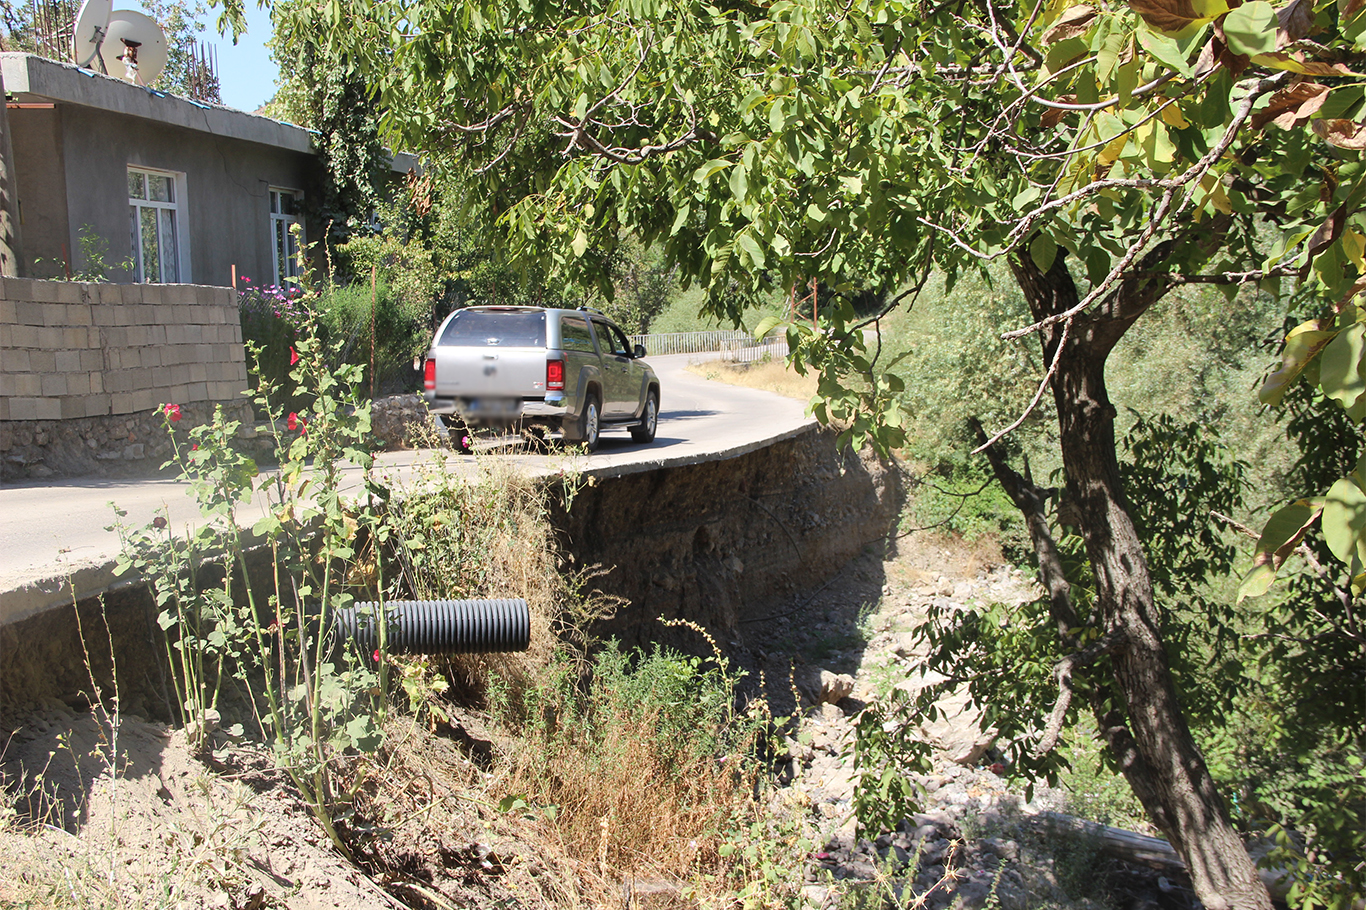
x=739, y=183
x=1043, y=250
x=1251, y=28
x=1283, y=532
x=713, y=166
x=1344, y=521
x=1111, y=44
x=681, y=218
x=1164, y=50
x=363, y=732
x=1301, y=346
x=1341, y=376
x=579, y=244
x=751, y=246
x=766, y=325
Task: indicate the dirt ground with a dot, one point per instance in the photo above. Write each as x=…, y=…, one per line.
x=120, y=812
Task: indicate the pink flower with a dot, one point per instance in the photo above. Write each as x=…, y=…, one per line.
x=195, y=447
x=376, y=655
x=292, y=421
x=159, y=522
x=172, y=412
x=293, y=357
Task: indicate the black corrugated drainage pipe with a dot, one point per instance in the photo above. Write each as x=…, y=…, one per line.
x=440, y=626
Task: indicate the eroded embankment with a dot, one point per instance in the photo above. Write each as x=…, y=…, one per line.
x=713, y=542
x=716, y=541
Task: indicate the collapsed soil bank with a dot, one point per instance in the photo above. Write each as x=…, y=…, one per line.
x=712, y=542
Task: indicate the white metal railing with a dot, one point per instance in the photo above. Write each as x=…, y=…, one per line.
x=733, y=344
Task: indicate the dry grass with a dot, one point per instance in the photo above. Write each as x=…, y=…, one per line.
x=634, y=768
x=768, y=375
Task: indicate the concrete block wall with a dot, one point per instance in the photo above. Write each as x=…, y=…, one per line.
x=71, y=350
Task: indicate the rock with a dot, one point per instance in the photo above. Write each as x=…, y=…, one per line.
x=800, y=751
x=973, y=894
x=830, y=713
x=964, y=752
x=815, y=896
x=394, y=419
x=835, y=686
x=1005, y=849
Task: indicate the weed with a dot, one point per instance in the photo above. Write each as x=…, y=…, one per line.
x=643, y=753
x=314, y=702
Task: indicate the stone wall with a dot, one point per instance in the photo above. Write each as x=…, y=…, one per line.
x=83, y=368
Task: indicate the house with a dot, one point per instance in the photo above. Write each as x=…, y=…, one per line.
x=162, y=189
x=174, y=199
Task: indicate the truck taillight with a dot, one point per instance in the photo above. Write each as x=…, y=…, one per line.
x=429, y=375
x=554, y=375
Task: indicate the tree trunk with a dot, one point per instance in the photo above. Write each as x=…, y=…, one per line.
x=1165, y=765
x=11, y=251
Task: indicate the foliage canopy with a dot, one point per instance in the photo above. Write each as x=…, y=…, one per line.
x=1109, y=152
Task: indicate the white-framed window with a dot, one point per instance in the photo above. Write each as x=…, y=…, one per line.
x=156, y=208
x=285, y=209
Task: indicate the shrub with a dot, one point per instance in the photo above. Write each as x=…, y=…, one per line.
x=352, y=316
x=272, y=318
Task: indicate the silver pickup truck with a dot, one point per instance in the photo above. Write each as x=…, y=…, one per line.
x=570, y=372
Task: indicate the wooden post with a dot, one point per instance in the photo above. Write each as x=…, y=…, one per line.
x=11, y=244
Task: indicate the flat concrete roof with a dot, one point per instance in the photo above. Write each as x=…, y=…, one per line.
x=33, y=79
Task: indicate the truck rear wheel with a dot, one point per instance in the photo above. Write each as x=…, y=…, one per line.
x=589, y=422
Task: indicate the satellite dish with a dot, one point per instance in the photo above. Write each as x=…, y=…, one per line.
x=134, y=46
x=92, y=23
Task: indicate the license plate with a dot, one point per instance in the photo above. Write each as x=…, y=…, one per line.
x=494, y=407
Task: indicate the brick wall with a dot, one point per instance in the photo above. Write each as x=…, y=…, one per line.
x=71, y=350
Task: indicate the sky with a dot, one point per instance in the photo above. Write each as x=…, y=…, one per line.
x=246, y=74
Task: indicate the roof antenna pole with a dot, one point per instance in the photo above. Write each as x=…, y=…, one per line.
x=98, y=39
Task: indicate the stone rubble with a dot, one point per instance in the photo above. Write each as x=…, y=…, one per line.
x=972, y=843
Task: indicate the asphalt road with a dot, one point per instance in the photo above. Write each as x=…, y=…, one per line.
x=54, y=531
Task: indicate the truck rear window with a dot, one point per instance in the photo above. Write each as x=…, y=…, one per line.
x=472, y=328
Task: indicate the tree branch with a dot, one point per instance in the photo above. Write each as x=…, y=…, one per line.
x=1062, y=672
x=1163, y=208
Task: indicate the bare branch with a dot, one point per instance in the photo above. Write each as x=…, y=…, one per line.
x=912, y=292
x=488, y=123
x=1038, y=393
x=1282, y=271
